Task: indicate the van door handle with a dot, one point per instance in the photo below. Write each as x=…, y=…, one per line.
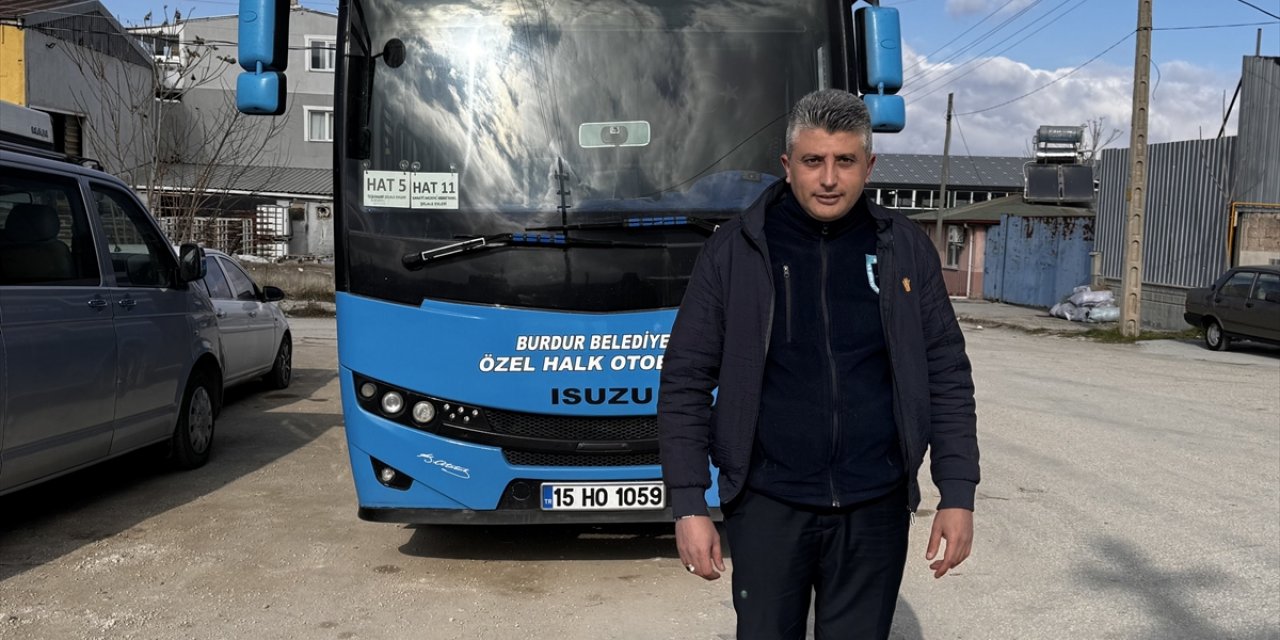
x=253, y=314
x=98, y=304
x=128, y=303
x=221, y=314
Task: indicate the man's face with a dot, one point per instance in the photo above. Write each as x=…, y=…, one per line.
x=827, y=171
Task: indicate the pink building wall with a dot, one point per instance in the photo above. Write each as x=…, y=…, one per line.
x=966, y=277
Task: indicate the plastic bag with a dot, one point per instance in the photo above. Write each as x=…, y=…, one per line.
x=1084, y=297
x=1104, y=313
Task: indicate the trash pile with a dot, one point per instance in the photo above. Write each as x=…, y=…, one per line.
x=1087, y=305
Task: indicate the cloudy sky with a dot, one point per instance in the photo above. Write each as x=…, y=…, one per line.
x=1029, y=53
x=1016, y=64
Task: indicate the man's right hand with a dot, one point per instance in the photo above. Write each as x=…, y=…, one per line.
x=699, y=545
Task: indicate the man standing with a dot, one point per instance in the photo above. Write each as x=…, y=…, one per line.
x=823, y=321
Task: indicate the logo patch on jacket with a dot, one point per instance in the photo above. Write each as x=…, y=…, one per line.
x=906, y=285
x=873, y=272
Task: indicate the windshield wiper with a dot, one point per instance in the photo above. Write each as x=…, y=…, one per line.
x=556, y=240
x=641, y=222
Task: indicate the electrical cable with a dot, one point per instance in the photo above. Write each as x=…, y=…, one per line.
x=967, y=153
x=962, y=34
x=1055, y=80
x=989, y=33
x=918, y=88
x=1259, y=9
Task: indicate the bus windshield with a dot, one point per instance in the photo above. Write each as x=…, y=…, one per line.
x=511, y=115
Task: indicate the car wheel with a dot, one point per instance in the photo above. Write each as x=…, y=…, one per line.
x=282, y=371
x=1214, y=338
x=193, y=435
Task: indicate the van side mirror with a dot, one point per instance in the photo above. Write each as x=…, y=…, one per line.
x=879, y=66
x=190, y=262
x=264, y=55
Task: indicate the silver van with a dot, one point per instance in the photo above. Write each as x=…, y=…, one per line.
x=106, y=346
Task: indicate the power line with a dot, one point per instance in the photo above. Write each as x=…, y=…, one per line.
x=1214, y=26
x=1055, y=80
x=1259, y=9
x=967, y=154
x=962, y=34
x=951, y=72
x=989, y=33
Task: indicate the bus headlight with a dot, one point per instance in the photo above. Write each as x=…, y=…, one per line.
x=424, y=412
x=392, y=403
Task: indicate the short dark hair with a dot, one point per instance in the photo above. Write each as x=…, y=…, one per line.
x=832, y=110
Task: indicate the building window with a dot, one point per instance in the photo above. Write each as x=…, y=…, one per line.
x=322, y=54
x=955, y=245
x=319, y=124
x=161, y=45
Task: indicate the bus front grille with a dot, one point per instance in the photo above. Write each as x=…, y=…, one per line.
x=575, y=428
x=537, y=459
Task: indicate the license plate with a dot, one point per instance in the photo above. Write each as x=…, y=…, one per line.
x=603, y=496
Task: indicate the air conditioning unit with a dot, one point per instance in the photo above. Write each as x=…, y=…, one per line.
x=955, y=235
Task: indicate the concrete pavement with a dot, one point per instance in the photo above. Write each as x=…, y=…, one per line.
x=982, y=313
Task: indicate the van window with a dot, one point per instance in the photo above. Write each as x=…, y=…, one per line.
x=139, y=254
x=44, y=232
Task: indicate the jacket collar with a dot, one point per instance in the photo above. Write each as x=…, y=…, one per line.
x=753, y=219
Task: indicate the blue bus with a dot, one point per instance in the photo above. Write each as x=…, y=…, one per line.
x=522, y=189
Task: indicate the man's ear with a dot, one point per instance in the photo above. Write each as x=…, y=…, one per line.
x=786, y=167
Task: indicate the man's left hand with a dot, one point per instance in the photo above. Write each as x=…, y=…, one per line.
x=956, y=527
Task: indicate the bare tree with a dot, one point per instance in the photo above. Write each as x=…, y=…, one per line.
x=1097, y=138
x=183, y=159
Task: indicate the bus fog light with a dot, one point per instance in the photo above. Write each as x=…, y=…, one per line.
x=387, y=475
x=392, y=403
x=368, y=390
x=424, y=412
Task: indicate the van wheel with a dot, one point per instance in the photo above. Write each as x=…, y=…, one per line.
x=193, y=435
x=1214, y=338
x=282, y=371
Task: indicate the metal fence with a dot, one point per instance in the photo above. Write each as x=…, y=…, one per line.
x=1188, y=210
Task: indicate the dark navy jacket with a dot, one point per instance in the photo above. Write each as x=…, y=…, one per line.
x=721, y=339
x=826, y=435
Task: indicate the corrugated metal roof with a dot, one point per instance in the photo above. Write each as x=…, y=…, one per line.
x=19, y=8
x=964, y=172
x=991, y=210
x=290, y=181
x=86, y=23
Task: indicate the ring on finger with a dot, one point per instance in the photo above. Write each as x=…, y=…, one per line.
x=689, y=567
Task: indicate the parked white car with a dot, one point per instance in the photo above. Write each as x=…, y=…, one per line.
x=256, y=342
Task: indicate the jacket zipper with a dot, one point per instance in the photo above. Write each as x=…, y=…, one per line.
x=786, y=285
x=831, y=368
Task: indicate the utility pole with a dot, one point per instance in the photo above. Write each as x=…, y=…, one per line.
x=1131, y=278
x=946, y=168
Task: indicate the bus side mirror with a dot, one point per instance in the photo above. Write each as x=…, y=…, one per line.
x=879, y=51
x=264, y=55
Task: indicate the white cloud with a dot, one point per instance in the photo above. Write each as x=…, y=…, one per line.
x=1187, y=103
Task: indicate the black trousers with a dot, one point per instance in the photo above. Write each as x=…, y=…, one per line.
x=851, y=559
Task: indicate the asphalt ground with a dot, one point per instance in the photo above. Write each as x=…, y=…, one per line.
x=1129, y=491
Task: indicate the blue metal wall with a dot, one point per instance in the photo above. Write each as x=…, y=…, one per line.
x=1036, y=261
